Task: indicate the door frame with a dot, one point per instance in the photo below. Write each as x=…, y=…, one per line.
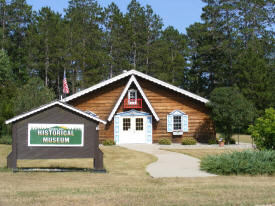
x=147, y=124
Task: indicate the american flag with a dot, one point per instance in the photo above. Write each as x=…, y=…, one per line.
x=65, y=85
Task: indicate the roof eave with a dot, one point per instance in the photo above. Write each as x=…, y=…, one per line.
x=139, y=74
x=43, y=107
x=131, y=80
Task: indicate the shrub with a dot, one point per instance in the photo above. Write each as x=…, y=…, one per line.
x=245, y=162
x=6, y=139
x=188, y=141
x=165, y=141
x=229, y=140
x=108, y=142
x=263, y=132
x=212, y=141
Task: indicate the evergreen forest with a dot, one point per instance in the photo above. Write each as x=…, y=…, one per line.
x=232, y=46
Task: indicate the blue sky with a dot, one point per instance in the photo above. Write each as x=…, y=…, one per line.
x=177, y=13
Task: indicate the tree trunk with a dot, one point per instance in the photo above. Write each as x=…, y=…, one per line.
x=58, y=84
x=47, y=63
x=3, y=25
x=111, y=51
x=173, y=72
x=147, y=49
x=111, y=65
x=82, y=83
x=73, y=80
x=71, y=63
x=135, y=54
x=230, y=82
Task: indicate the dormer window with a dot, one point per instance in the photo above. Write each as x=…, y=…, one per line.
x=132, y=97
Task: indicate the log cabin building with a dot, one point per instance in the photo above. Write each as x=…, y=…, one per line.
x=141, y=109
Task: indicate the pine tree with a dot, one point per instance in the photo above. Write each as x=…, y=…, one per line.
x=46, y=47
x=222, y=48
x=19, y=17
x=255, y=76
x=87, y=56
x=207, y=57
x=7, y=89
x=116, y=44
x=3, y=23
x=153, y=25
x=172, y=52
x=137, y=33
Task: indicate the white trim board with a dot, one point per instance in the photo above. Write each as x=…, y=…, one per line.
x=139, y=74
x=169, y=86
x=133, y=112
x=95, y=87
x=132, y=80
x=43, y=107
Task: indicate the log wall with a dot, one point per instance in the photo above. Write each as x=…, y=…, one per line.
x=163, y=101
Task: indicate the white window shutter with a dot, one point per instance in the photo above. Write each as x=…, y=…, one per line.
x=169, y=123
x=184, y=123
x=116, y=129
x=149, y=129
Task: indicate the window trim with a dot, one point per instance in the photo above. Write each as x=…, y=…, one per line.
x=183, y=121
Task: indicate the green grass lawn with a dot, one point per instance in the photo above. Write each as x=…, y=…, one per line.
x=244, y=138
x=199, y=153
x=127, y=183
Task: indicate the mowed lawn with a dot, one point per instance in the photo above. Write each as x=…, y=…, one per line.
x=200, y=153
x=127, y=183
x=243, y=138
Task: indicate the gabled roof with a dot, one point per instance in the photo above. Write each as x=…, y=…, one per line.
x=141, y=75
x=132, y=80
x=43, y=107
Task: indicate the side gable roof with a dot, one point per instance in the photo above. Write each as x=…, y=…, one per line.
x=141, y=75
x=43, y=107
x=132, y=80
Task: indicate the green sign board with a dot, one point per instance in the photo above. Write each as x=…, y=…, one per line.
x=58, y=135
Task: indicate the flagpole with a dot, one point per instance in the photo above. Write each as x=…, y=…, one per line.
x=65, y=77
x=65, y=85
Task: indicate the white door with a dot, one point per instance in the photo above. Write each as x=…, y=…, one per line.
x=132, y=129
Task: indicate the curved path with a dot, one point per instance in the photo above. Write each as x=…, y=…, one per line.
x=169, y=164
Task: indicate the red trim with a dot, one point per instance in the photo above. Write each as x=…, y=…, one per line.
x=132, y=103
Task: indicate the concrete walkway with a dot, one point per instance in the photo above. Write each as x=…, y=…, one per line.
x=169, y=164
x=208, y=146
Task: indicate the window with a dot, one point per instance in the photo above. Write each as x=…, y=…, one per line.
x=139, y=124
x=132, y=96
x=177, y=122
x=126, y=124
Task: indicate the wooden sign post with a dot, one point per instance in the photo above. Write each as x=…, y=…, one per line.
x=55, y=131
